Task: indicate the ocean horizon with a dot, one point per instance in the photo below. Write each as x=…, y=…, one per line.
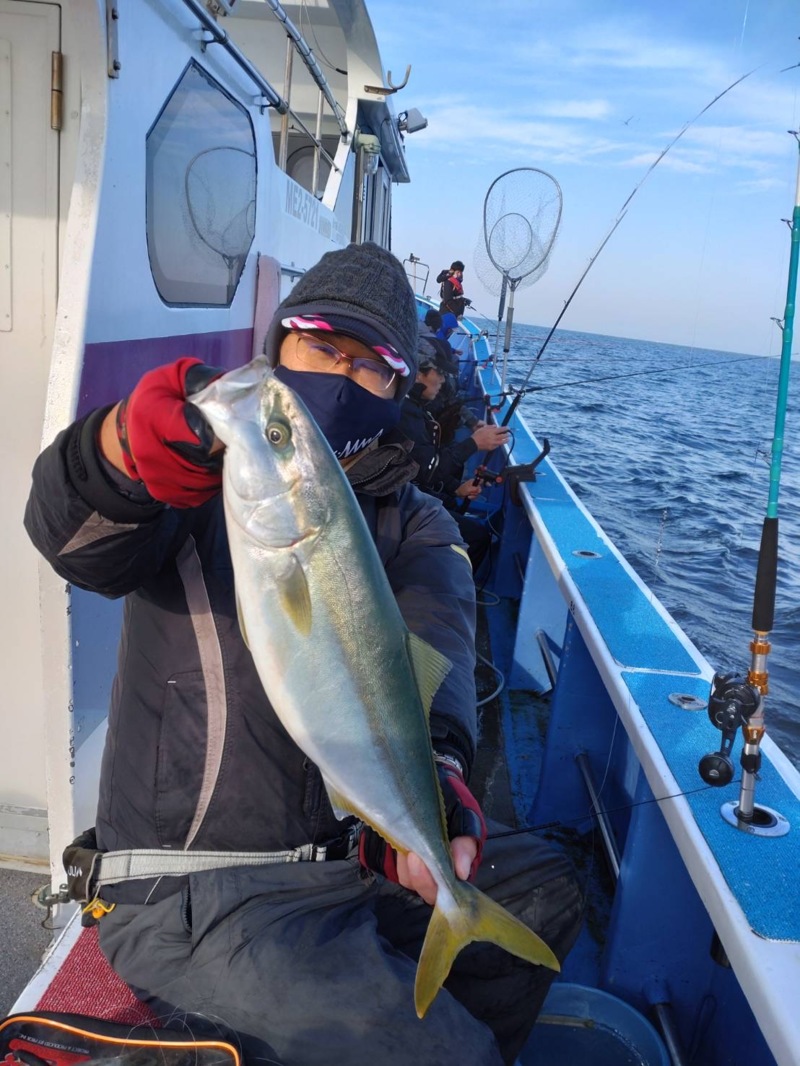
x=669, y=448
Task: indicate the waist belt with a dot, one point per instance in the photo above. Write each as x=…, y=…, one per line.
x=89, y=870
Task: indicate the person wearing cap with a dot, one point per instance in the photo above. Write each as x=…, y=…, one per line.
x=447, y=407
x=441, y=463
x=310, y=957
x=432, y=320
x=451, y=290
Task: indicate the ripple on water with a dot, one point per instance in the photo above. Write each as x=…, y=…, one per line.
x=681, y=485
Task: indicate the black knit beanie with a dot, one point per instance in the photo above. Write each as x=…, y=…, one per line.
x=363, y=292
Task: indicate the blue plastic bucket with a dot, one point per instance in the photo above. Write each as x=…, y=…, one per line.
x=581, y=1026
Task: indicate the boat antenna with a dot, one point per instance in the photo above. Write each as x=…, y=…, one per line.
x=620, y=215
x=521, y=218
x=739, y=701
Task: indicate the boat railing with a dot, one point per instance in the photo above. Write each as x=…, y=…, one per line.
x=219, y=36
x=315, y=138
x=270, y=97
x=417, y=272
x=297, y=42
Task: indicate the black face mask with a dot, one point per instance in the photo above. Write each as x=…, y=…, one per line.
x=349, y=416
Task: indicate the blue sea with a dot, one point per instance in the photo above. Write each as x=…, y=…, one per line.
x=669, y=448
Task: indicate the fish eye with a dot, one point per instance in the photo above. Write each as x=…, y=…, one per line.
x=278, y=434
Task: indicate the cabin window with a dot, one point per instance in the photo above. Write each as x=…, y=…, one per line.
x=201, y=193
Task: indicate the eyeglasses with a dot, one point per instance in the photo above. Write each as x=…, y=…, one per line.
x=372, y=374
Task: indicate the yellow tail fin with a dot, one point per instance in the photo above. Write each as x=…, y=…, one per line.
x=475, y=918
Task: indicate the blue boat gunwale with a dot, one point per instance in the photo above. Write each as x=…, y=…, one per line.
x=768, y=970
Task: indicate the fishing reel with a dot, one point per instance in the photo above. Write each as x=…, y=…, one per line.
x=732, y=703
x=484, y=476
x=512, y=475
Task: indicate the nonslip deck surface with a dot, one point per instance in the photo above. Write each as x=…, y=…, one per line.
x=653, y=664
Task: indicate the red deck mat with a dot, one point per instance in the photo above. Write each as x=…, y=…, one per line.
x=86, y=984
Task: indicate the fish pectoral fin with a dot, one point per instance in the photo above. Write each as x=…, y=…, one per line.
x=476, y=917
x=342, y=807
x=242, y=626
x=295, y=597
x=430, y=668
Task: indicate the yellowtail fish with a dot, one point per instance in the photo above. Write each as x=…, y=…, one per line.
x=350, y=683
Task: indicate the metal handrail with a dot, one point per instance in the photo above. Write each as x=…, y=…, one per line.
x=221, y=37
x=308, y=58
x=273, y=98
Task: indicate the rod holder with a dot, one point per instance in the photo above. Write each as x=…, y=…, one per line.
x=762, y=821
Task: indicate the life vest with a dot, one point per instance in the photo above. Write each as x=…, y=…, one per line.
x=455, y=282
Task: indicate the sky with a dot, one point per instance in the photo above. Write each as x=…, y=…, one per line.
x=591, y=92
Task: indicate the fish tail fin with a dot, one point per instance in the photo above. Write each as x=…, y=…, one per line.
x=472, y=916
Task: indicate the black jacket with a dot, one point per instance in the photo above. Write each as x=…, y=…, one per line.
x=440, y=468
x=195, y=756
x=452, y=295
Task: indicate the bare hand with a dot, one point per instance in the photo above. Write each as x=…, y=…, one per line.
x=489, y=437
x=469, y=490
x=414, y=875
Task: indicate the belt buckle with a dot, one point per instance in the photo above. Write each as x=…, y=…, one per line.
x=340, y=849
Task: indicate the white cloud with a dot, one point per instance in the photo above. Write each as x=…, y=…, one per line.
x=738, y=141
x=478, y=127
x=671, y=161
x=583, y=109
x=760, y=185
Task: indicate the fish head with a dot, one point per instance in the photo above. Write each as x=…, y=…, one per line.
x=275, y=455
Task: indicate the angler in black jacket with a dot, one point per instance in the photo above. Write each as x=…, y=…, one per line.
x=441, y=465
x=311, y=962
x=452, y=290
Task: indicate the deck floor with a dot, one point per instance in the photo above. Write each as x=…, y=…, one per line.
x=22, y=937
x=505, y=795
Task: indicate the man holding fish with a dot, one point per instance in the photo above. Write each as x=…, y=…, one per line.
x=293, y=720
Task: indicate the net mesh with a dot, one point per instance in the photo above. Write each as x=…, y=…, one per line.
x=521, y=216
x=220, y=196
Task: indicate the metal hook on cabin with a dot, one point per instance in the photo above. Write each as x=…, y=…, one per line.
x=392, y=88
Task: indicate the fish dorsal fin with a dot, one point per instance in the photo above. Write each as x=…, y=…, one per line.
x=242, y=626
x=430, y=668
x=294, y=595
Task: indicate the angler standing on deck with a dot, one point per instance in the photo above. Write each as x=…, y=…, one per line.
x=452, y=290
x=311, y=962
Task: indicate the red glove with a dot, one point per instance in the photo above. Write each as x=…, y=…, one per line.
x=165, y=441
x=464, y=819
x=464, y=815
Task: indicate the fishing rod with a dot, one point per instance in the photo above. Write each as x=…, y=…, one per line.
x=621, y=214
x=616, y=377
x=739, y=701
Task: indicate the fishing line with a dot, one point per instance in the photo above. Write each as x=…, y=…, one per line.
x=304, y=7
x=660, y=541
x=501, y=680
x=605, y=810
x=495, y=599
x=633, y=374
x=621, y=214
x=477, y=311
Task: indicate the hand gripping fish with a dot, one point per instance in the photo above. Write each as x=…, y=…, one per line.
x=350, y=683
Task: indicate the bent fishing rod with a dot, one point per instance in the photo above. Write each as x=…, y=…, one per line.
x=738, y=702
x=483, y=464
x=520, y=392
x=620, y=216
